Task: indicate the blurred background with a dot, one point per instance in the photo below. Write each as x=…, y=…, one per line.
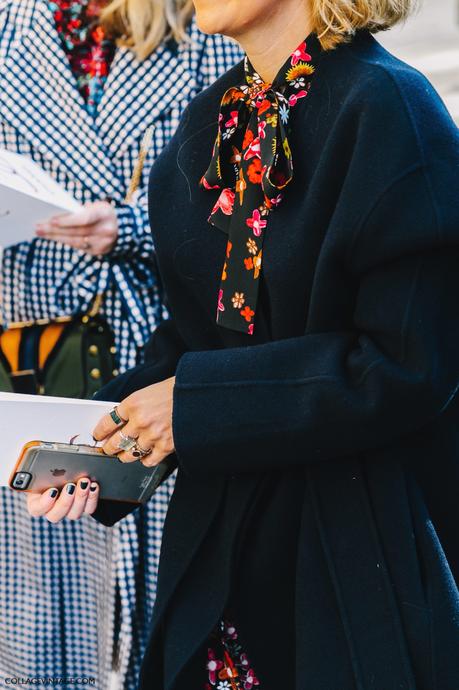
x=429, y=41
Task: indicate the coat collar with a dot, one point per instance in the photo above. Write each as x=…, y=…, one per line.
x=138, y=93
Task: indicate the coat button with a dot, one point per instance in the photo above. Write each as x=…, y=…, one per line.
x=93, y=350
x=95, y=374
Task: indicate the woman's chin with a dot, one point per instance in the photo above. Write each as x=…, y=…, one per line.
x=210, y=23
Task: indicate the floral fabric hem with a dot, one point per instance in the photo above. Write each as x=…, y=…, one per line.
x=228, y=667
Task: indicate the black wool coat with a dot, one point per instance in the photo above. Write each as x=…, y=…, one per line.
x=319, y=459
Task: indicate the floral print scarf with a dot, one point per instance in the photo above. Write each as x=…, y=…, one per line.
x=89, y=51
x=252, y=165
x=228, y=667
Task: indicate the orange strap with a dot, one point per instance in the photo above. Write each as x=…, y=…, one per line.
x=10, y=342
x=48, y=340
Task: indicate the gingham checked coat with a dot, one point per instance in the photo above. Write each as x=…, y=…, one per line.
x=57, y=583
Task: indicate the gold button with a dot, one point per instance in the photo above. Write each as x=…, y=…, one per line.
x=95, y=373
x=113, y=350
x=115, y=372
x=85, y=319
x=93, y=350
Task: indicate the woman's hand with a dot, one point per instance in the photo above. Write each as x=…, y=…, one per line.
x=93, y=230
x=73, y=501
x=148, y=418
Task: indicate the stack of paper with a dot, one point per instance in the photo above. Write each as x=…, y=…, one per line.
x=25, y=418
x=27, y=195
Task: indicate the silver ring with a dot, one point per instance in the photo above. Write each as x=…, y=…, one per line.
x=86, y=243
x=127, y=442
x=139, y=452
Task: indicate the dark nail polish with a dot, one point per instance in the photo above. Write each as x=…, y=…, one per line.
x=53, y=493
x=93, y=487
x=84, y=485
x=70, y=489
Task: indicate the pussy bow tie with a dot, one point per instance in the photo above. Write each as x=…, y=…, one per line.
x=252, y=165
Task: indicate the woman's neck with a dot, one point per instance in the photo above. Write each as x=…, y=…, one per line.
x=276, y=36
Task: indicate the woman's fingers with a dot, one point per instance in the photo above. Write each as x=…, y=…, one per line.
x=39, y=504
x=126, y=435
x=93, y=498
x=73, y=501
x=106, y=426
x=79, y=500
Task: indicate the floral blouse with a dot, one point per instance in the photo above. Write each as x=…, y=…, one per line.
x=89, y=51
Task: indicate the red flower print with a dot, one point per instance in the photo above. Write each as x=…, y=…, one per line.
x=256, y=223
x=253, y=150
x=255, y=171
x=300, y=54
x=263, y=106
x=213, y=665
x=232, y=122
x=276, y=201
x=254, y=264
x=295, y=97
x=225, y=202
x=206, y=185
x=251, y=680
x=261, y=129
x=229, y=246
x=248, y=138
x=250, y=329
x=98, y=34
x=247, y=313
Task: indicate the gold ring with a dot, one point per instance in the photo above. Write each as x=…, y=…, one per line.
x=86, y=243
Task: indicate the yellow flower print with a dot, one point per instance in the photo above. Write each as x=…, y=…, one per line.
x=257, y=265
x=302, y=69
x=252, y=246
x=287, y=149
x=241, y=186
x=238, y=300
x=272, y=120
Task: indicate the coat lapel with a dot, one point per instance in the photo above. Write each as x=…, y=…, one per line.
x=131, y=103
x=40, y=99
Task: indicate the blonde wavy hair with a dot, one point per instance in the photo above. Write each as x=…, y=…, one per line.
x=143, y=25
x=335, y=21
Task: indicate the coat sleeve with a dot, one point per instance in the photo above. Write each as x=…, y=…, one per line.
x=326, y=395
x=162, y=353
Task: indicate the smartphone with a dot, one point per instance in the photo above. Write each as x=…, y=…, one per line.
x=42, y=465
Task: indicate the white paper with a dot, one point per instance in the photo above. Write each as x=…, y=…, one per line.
x=25, y=418
x=27, y=195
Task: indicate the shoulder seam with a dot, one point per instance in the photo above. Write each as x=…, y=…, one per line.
x=412, y=169
x=415, y=130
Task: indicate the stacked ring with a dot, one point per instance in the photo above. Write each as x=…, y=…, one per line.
x=116, y=418
x=127, y=442
x=140, y=452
